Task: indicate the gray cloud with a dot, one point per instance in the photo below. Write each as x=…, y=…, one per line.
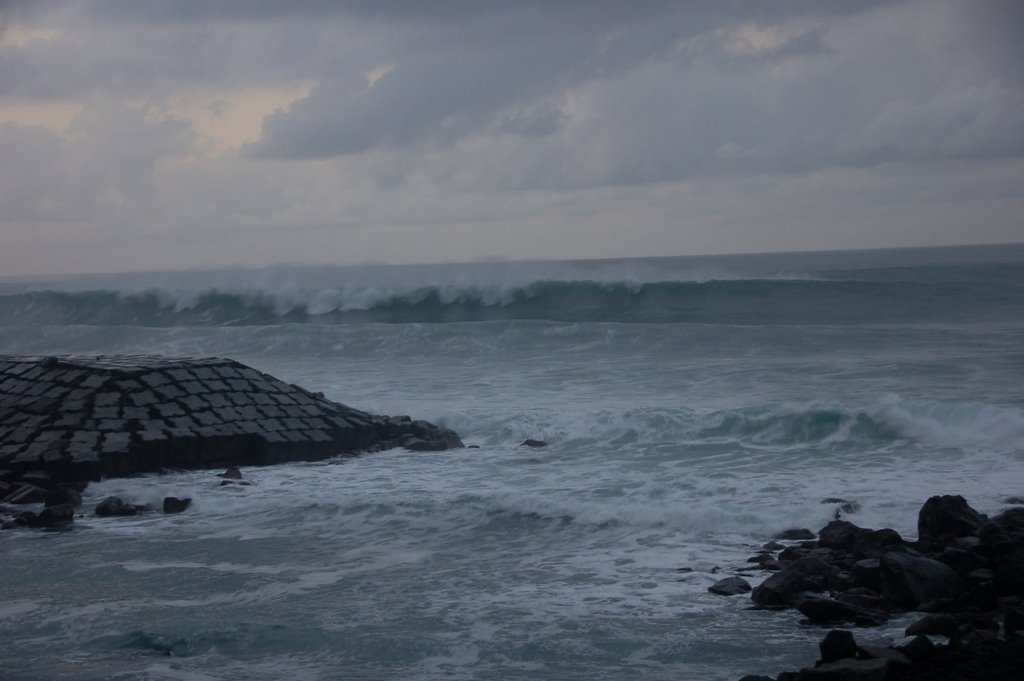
x=464, y=128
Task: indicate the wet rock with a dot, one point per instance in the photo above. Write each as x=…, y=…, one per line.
x=920, y=648
x=235, y=483
x=823, y=610
x=1014, y=501
x=115, y=506
x=867, y=573
x=883, y=653
x=874, y=543
x=908, y=581
x=232, y=473
x=794, y=534
x=58, y=515
x=730, y=586
x=847, y=670
x=935, y=624
x=867, y=599
x=838, y=644
x=784, y=588
x=26, y=493
x=176, y=505
x=943, y=518
x=63, y=495
x=530, y=442
x=962, y=562
x=839, y=534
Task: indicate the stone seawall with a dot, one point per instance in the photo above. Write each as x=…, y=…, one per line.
x=78, y=418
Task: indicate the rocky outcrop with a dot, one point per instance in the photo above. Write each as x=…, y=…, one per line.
x=986, y=658
x=80, y=418
x=965, y=571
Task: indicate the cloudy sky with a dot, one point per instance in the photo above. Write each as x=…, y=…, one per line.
x=192, y=133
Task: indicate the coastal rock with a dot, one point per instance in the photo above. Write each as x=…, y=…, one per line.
x=821, y=609
x=940, y=624
x=176, y=505
x=63, y=495
x=115, y=506
x=530, y=442
x=838, y=644
x=784, y=588
x=943, y=518
x=794, y=534
x=847, y=670
x=730, y=586
x=909, y=581
x=873, y=543
x=232, y=473
x=839, y=534
x=58, y=515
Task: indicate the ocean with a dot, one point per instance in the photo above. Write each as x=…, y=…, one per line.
x=693, y=407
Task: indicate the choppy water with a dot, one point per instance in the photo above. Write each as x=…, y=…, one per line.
x=693, y=406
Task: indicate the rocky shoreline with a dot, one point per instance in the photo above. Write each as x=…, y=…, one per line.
x=964, y=574
x=69, y=420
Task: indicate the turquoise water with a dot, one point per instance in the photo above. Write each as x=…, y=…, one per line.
x=693, y=406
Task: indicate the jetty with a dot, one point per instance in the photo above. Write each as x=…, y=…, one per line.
x=79, y=418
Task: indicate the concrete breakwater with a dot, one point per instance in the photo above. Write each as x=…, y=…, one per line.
x=71, y=419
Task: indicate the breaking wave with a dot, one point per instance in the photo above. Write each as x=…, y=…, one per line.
x=738, y=301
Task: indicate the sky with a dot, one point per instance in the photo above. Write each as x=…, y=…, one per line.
x=180, y=134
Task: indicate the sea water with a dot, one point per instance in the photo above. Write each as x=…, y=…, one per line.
x=693, y=408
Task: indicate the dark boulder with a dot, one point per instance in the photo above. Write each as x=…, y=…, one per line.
x=784, y=588
x=839, y=534
x=867, y=573
x=232, y=473
x=821, y=609
x=1002, y=540
x=847, y=670
x=1008, y=526
x=63, y=495
x=176, y=505
x=919, y=648
x=935, y=624
x=962, y=562
x=838, y=644
x=115, y=506
x=909, y=581
x=58, y=515
x=943, y=518
x=795, y=534
x=730, y=586
x=530, y=442
x=867, y=599
x=874, y=543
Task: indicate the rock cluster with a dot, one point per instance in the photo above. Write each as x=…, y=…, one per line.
x=67, y=420
x=966, y=571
